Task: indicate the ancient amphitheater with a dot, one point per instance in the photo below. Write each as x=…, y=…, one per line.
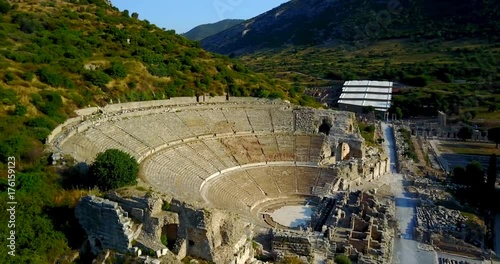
x=244, y=155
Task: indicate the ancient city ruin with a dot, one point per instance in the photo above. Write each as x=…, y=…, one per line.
x=226, y=176
x=244, y=156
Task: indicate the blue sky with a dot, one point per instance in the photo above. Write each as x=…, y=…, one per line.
x=183, y=15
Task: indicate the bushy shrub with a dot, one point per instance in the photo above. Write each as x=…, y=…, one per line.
x=160, y=71
x=277, y=94
x=370, y=128
x=113, y=169
x=7, y=96
x=5, y=7
x=20, y=110
x=9, y=77
x=342, y=259
x=27, y=76
x=132, y=85
x=117, y=70
x=419, y=81
x=50, y=76
x=41, y=121
x=49, y=103
x=97, y=78
x=27, y=23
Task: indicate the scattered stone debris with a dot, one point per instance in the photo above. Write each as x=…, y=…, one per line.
x=441, y=220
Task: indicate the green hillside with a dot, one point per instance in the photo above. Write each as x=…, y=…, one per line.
x=358, y=22
x=459, y=77
x=57, y=56
x=448, y=49
x=202, y=31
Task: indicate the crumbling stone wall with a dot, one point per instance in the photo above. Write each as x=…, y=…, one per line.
x=107, y=225
x=344, y=141
x=289, y=243
x=213, y=235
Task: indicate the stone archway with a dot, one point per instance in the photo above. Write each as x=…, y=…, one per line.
x=345, y=150
x=325, y=127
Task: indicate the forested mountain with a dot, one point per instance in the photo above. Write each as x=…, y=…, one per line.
x=326, y=22
x=202, y=31
x=449, y=48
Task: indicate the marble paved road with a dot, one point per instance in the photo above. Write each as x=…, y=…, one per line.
x=405, y=248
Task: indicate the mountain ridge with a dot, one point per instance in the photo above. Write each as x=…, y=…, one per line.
x=320, y=22
x=205, y=30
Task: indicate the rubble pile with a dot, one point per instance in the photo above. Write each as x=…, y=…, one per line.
x=440, y=219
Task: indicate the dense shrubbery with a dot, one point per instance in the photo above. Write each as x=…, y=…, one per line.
x=342, y=259
x=53, y=78
x=113, y=169
x=117, y=70
x=97, y=78
x=4, y=7
x=50, y=103
x=7, y=96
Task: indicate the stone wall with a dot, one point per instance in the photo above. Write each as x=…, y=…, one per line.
x=290, y=243
x=107, y=225
x=213, y=235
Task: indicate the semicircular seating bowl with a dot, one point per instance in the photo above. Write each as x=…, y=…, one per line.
x=232, y=157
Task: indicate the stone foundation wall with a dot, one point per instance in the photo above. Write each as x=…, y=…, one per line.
x=107, y=225
x=213, y=235
x=289, y=243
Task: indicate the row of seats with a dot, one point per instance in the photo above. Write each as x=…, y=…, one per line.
x=138, y=135
x=126, y=140
x=197, y=160
x=253, y=185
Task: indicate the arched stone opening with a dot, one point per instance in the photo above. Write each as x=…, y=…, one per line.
x=345, y=150
x=325, y=127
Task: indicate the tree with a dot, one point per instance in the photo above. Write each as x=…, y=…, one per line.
x=117, y=70
x=135, y=15
x=491, y=175
x=342, y=259
x=399, y=113
x=5, y=7
x=494, y=135
x=114, y=169
x=97, y=78
x=459, y=175
x=465, y=133
x=475, y=175
x=368, y=109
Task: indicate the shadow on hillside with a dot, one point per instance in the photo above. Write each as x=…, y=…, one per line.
x=76, y=177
